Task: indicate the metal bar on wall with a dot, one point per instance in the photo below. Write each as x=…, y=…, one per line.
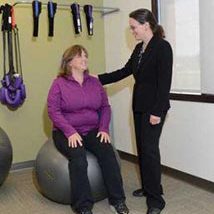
x=103, y=10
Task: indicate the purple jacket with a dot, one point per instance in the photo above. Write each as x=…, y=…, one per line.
x=75, y=108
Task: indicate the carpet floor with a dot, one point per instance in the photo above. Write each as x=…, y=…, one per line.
x=184, y=194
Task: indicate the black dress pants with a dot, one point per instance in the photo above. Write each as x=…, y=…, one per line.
x=147, y=139
x=80, y=187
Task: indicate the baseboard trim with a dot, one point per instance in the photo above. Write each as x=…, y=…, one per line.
x=200, y=182
x=127, y=156
x=22, y=165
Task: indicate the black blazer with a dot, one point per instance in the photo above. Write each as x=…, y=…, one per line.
x=152, y=76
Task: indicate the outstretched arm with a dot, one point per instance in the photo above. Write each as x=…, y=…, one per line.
x=119, y=74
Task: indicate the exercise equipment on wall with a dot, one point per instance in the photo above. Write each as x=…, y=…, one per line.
x=12, y=92
x=75, y=10
x=88, y=9
x=51, y=14
x=37, y=8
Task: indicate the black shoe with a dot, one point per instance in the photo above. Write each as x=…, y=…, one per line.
x=153, y=210
x=120, y=208
x=139, y=193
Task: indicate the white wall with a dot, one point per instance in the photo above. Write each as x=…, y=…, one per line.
x=207, y=45
x=188, y=134
x=187, y=141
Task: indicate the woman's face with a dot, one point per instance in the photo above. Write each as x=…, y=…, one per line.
x=79, y=62
x=137, y=29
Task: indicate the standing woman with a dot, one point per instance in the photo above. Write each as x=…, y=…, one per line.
x=151, y=66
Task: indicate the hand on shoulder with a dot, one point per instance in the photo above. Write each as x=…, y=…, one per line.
x=94, y=75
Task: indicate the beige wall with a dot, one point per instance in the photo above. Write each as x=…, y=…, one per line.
x=119, y=44
x=28, y=127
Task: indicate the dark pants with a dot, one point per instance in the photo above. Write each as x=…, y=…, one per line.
x=147, y=139
x=80, y=187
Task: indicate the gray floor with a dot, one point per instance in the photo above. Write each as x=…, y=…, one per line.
x=184, y=195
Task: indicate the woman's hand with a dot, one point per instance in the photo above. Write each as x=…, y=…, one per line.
x=104, y=136
x=74, y=140
x=154, y=120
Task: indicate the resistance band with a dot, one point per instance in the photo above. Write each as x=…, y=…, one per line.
x=12, y=92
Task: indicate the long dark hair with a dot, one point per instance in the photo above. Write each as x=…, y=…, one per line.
x=144, y=15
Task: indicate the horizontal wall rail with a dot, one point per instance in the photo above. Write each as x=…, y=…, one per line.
x=102, y=10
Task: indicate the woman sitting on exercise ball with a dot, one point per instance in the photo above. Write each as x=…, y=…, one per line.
x=79, y=109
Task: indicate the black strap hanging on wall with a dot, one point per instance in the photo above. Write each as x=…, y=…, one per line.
x=75, y=9
x=88, y=9
x=51, y=13
x=5, y=10
x=6, y=30
x=37, y=8
x=1, y=8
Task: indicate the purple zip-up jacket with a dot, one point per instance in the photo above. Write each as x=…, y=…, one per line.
x=75, y=108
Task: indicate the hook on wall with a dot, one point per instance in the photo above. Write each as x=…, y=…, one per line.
x=103, y=10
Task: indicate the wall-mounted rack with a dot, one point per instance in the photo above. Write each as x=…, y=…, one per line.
x=103, y=10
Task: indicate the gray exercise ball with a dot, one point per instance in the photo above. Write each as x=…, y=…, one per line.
x=52, y=175
x=5, y=155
